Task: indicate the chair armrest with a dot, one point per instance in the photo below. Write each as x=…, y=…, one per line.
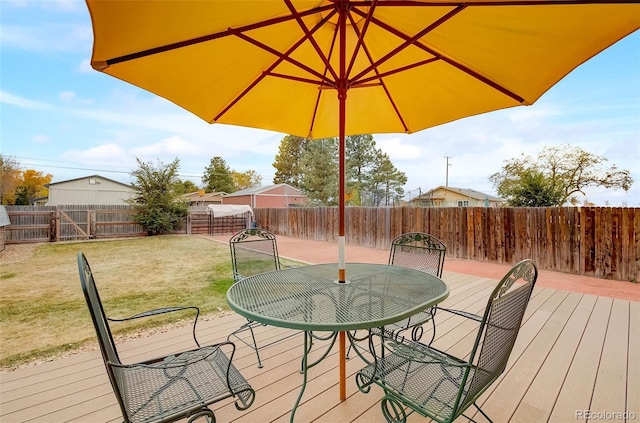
x=462, y=313
x=162, y=310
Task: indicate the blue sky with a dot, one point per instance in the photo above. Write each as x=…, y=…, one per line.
x=59, y=116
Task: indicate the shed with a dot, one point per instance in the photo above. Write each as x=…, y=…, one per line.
x=4, y=221
x=88, y=190
x=271, y=196
x=229, y=218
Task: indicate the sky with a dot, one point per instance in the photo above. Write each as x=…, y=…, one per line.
x=60, y=117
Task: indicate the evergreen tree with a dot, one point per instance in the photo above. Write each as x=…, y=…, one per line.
x=218, y=177
x=387, y=182
x=319, y=167
x=288, y=161
x=360, y=157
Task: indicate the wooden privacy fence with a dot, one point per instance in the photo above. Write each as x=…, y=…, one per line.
x=591, y=241
x=68, y=223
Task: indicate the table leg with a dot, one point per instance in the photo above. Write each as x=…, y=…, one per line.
x=343, y=368
x=304, y=366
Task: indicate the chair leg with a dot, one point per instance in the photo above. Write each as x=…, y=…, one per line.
x=392, y=410
x=205, y=412
x=247, y=326
x=482, y=412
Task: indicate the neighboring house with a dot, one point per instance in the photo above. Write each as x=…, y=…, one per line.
x=456, y=197
x=89, y=190
x=201, y=198
x=274, y=196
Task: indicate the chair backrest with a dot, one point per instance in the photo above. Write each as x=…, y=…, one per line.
x=418, y=251
x=253, y=251
x=499, y=328
x=99, y=318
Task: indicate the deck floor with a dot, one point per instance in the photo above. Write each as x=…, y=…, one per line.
x=575, y=354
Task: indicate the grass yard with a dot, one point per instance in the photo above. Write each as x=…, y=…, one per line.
x=42, y=309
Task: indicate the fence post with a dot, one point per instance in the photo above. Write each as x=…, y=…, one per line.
x=57, y=224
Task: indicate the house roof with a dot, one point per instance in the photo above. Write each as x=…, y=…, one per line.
x=88, y=177
x=196, y=195
x=261, y=190
x=467, y=192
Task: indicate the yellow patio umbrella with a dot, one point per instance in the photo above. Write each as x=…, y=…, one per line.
x=324, y=68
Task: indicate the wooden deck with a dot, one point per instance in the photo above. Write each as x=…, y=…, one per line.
x=575, y=353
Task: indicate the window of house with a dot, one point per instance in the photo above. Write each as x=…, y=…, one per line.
x=463, y=203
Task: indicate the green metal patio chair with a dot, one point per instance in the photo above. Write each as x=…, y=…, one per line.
x=255, y=251
x=167, y=388
x=419, y=378
x=424, y=252
x=420, y=251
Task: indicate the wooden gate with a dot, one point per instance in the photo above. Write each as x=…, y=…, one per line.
x=74, y=225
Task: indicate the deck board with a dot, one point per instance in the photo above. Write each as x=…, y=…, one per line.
x=574, y=352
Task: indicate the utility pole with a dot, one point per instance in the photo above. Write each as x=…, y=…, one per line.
x=448, y=164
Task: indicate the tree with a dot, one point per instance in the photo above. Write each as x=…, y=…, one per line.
x=184, y=186
x=534, y=189
x=288, y=161
x=245, y=180
x=387, y=181
x=319, y=170
x=31, y=186
x=361, y=154
x=217, y=177
x=155, y=199
x=566, y=171
x=9, y=178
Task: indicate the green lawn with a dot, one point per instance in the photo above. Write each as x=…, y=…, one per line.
x=42, y=309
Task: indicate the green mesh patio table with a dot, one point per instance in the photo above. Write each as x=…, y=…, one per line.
x=373, y=295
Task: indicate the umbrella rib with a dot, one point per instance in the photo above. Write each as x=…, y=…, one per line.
x=377, y=76
x=281, y=57
x=309, y=35
x=210, y=37
x=317, y=103
x=361, y=35
x=414, y=41
x=396, y=3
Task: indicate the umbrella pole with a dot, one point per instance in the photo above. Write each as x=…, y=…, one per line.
x=342, y=101
x=342, y=96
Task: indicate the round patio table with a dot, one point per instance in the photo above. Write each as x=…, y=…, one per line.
x=373, y=295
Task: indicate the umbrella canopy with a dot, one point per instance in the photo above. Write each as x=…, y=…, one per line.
x=321, y=68
x=408, y=65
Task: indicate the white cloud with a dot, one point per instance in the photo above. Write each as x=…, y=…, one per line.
x=105, y=153
x=72, y=98
x=24, y=103
x=168, y=146
x=85, y=66
x=47, y=38
x=397, y=150
x=521, y=114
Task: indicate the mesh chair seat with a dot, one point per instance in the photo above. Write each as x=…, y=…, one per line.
x=164, y=388
x=429, y=384
x=441, y=386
